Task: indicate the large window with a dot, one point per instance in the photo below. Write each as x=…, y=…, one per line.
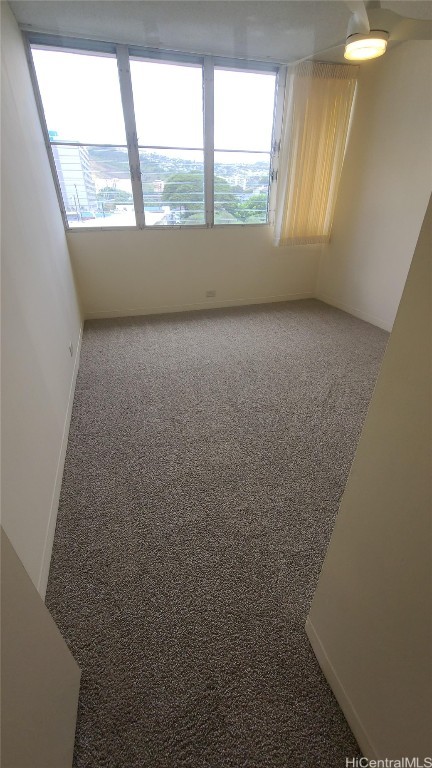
x=140, y=140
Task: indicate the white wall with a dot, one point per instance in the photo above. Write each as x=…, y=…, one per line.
x=40, y=679
x=40, y=316
x=140, y=272
x=370, y=623
x=385, y=186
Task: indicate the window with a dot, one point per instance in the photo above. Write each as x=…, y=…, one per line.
x=169, y=121
x=84, y=116
x=140, y=138
x=243, y=121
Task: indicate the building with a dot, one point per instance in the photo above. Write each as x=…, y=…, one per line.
x=238, y=181
x=75, y=176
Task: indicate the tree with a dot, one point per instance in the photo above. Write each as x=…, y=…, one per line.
x=111, y=196
x=254, y=209
x=225, y=198
x=184, y=192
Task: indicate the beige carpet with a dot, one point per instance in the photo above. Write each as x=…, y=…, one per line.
x=207, y=456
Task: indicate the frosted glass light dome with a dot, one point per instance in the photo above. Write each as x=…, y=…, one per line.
x=363, y=47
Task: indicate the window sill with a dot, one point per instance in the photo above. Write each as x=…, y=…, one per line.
x=165, y=228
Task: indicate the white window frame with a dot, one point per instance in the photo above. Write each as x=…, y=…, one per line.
x=123, y=53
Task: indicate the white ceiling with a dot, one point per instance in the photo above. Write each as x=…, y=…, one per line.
x=283, y=31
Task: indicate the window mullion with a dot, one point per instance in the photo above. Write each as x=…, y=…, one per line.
x=131, y=132
x=208, y=96
x=276, y=140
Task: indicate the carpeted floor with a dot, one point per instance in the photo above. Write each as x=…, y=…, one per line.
x=207, y=456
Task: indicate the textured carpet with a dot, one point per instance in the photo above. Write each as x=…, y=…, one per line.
x=207, y=456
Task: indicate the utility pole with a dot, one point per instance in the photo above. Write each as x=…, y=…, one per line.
x=78, y=200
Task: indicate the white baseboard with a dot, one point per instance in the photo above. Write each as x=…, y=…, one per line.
x=208, y=304
x=340, y=693
x=373, y=319
x=49, y=538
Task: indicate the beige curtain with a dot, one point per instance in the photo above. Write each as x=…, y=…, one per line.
x=316, y=120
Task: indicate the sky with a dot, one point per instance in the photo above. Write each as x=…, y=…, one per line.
x=82, y=102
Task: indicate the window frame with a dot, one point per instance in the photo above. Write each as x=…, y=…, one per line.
x=123, y=53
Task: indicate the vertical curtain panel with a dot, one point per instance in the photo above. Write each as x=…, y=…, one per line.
x=314, y=135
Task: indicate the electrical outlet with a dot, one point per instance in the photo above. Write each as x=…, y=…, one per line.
x=71, y=348
x=210, y=294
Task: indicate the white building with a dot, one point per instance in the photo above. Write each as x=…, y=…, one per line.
x=76, y=181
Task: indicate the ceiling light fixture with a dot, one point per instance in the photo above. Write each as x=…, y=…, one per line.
x=360, y=47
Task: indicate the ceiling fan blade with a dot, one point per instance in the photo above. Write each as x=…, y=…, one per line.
x=319, y=53
x=412, y=29
x=372, y=5
x=400, y=27
x=359, y=22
